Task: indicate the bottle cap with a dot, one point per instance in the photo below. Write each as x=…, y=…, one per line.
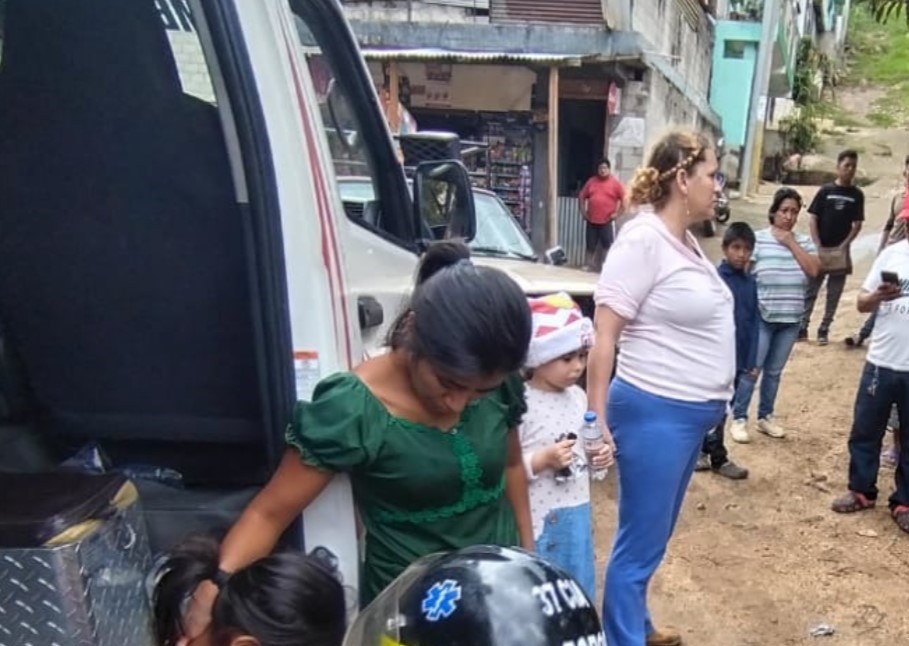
x=590, y=417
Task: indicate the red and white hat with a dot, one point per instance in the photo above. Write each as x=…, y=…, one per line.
x=559, y=328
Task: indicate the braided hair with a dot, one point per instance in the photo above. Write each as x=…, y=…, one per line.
x=677, y=151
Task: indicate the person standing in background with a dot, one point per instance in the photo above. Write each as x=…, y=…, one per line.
x=894, y=231
x=782, y=264
x=738, y=246
x=601, y=203
x=664, y=303
x=837, y=213
x=884, y=382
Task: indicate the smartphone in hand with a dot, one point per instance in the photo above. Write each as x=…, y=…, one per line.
x=890, y=277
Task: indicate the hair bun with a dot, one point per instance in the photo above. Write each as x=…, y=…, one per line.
x=645, y=186
x=441, y=255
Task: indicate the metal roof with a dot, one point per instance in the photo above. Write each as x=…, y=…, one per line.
x=437, y=54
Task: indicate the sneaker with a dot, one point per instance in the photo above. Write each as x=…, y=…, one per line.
x=664, y=638
x=738, y=431
x=803, y=335
x=769, y=427
x=703, y=463
x=822, y=337
x=731, y=470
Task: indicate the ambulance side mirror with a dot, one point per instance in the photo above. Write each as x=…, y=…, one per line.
x=443, y=199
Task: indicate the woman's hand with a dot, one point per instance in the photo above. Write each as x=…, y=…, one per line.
x=197, y=616
x=604, y=458
x=783, y=236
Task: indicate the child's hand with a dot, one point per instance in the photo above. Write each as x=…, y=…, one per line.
x=560, y=455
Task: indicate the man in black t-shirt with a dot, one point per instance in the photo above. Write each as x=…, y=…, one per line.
x=837, y=213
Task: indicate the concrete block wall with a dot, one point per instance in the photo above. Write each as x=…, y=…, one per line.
x=398, y=11
x=627, y=159
x=664, y=25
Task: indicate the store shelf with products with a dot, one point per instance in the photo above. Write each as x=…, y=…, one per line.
x=510, y=140
x=497, y=149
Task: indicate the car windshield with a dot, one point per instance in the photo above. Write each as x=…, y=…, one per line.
x=497, y=230
x=498, y=233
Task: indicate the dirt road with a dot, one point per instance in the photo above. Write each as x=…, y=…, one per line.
x=763, y=561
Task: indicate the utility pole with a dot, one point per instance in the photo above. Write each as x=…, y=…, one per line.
x=759, y=87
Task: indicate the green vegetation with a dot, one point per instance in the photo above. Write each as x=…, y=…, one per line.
x=800, y=130
x=880, y=56
x=884, y=10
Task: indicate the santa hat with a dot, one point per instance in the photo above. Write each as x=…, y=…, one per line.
x=559, y=328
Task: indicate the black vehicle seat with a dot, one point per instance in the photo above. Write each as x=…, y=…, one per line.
x=124, y=283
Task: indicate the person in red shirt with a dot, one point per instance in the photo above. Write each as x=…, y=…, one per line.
x=601, y=202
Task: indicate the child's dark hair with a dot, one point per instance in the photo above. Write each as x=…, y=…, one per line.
x=282, y=600
x=781, y=195
x=739, y=232
x=467, y=320
x=849, y=153
x=605, y=162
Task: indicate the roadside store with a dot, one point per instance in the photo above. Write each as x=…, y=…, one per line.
x=543, y=122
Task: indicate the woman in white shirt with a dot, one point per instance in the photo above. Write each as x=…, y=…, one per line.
x=665, y=305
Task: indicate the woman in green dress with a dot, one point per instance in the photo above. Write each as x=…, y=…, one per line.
x=426, y=432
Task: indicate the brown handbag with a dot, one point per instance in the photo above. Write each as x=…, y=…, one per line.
x=834, y=260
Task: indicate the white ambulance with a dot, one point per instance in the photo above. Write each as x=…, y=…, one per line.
x=176, y=264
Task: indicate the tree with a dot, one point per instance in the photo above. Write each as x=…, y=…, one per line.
x=883, y=10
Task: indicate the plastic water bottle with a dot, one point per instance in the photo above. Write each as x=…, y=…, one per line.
x=593, y=443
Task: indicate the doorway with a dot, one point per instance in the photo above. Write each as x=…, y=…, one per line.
x=582, y=142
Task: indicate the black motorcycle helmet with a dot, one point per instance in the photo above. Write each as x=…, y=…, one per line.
x=480, y=596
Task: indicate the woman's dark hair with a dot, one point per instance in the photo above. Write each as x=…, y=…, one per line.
x=780, y=196
x=285, y=599
x=469, y=321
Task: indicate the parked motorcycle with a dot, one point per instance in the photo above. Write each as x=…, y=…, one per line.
x=722, y=212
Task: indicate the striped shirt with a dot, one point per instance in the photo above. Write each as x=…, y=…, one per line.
x=781, y=282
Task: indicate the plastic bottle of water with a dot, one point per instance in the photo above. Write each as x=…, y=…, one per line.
x=593, y=443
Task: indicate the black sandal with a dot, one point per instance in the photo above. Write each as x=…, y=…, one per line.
x=900, y=515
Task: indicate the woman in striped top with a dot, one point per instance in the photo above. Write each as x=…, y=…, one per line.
x=782, y=263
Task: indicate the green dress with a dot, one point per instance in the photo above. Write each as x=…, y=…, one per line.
x=418, y=490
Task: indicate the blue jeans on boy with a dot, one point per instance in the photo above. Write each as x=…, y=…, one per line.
x=658, y=441
x=879, y=389
x=775, y=343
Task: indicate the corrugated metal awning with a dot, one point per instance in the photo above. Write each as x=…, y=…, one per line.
x=466, y=4
x=436, y=54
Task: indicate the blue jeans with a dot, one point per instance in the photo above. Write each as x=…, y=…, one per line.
x=879, y=389
x=657, y=441
x=567, y=541
x=775, y=342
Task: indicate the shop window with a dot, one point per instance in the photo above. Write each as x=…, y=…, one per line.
x=734, y=49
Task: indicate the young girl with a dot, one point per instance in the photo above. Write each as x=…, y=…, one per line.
x=281, y=600
x=427, y=432
x=555, y=465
